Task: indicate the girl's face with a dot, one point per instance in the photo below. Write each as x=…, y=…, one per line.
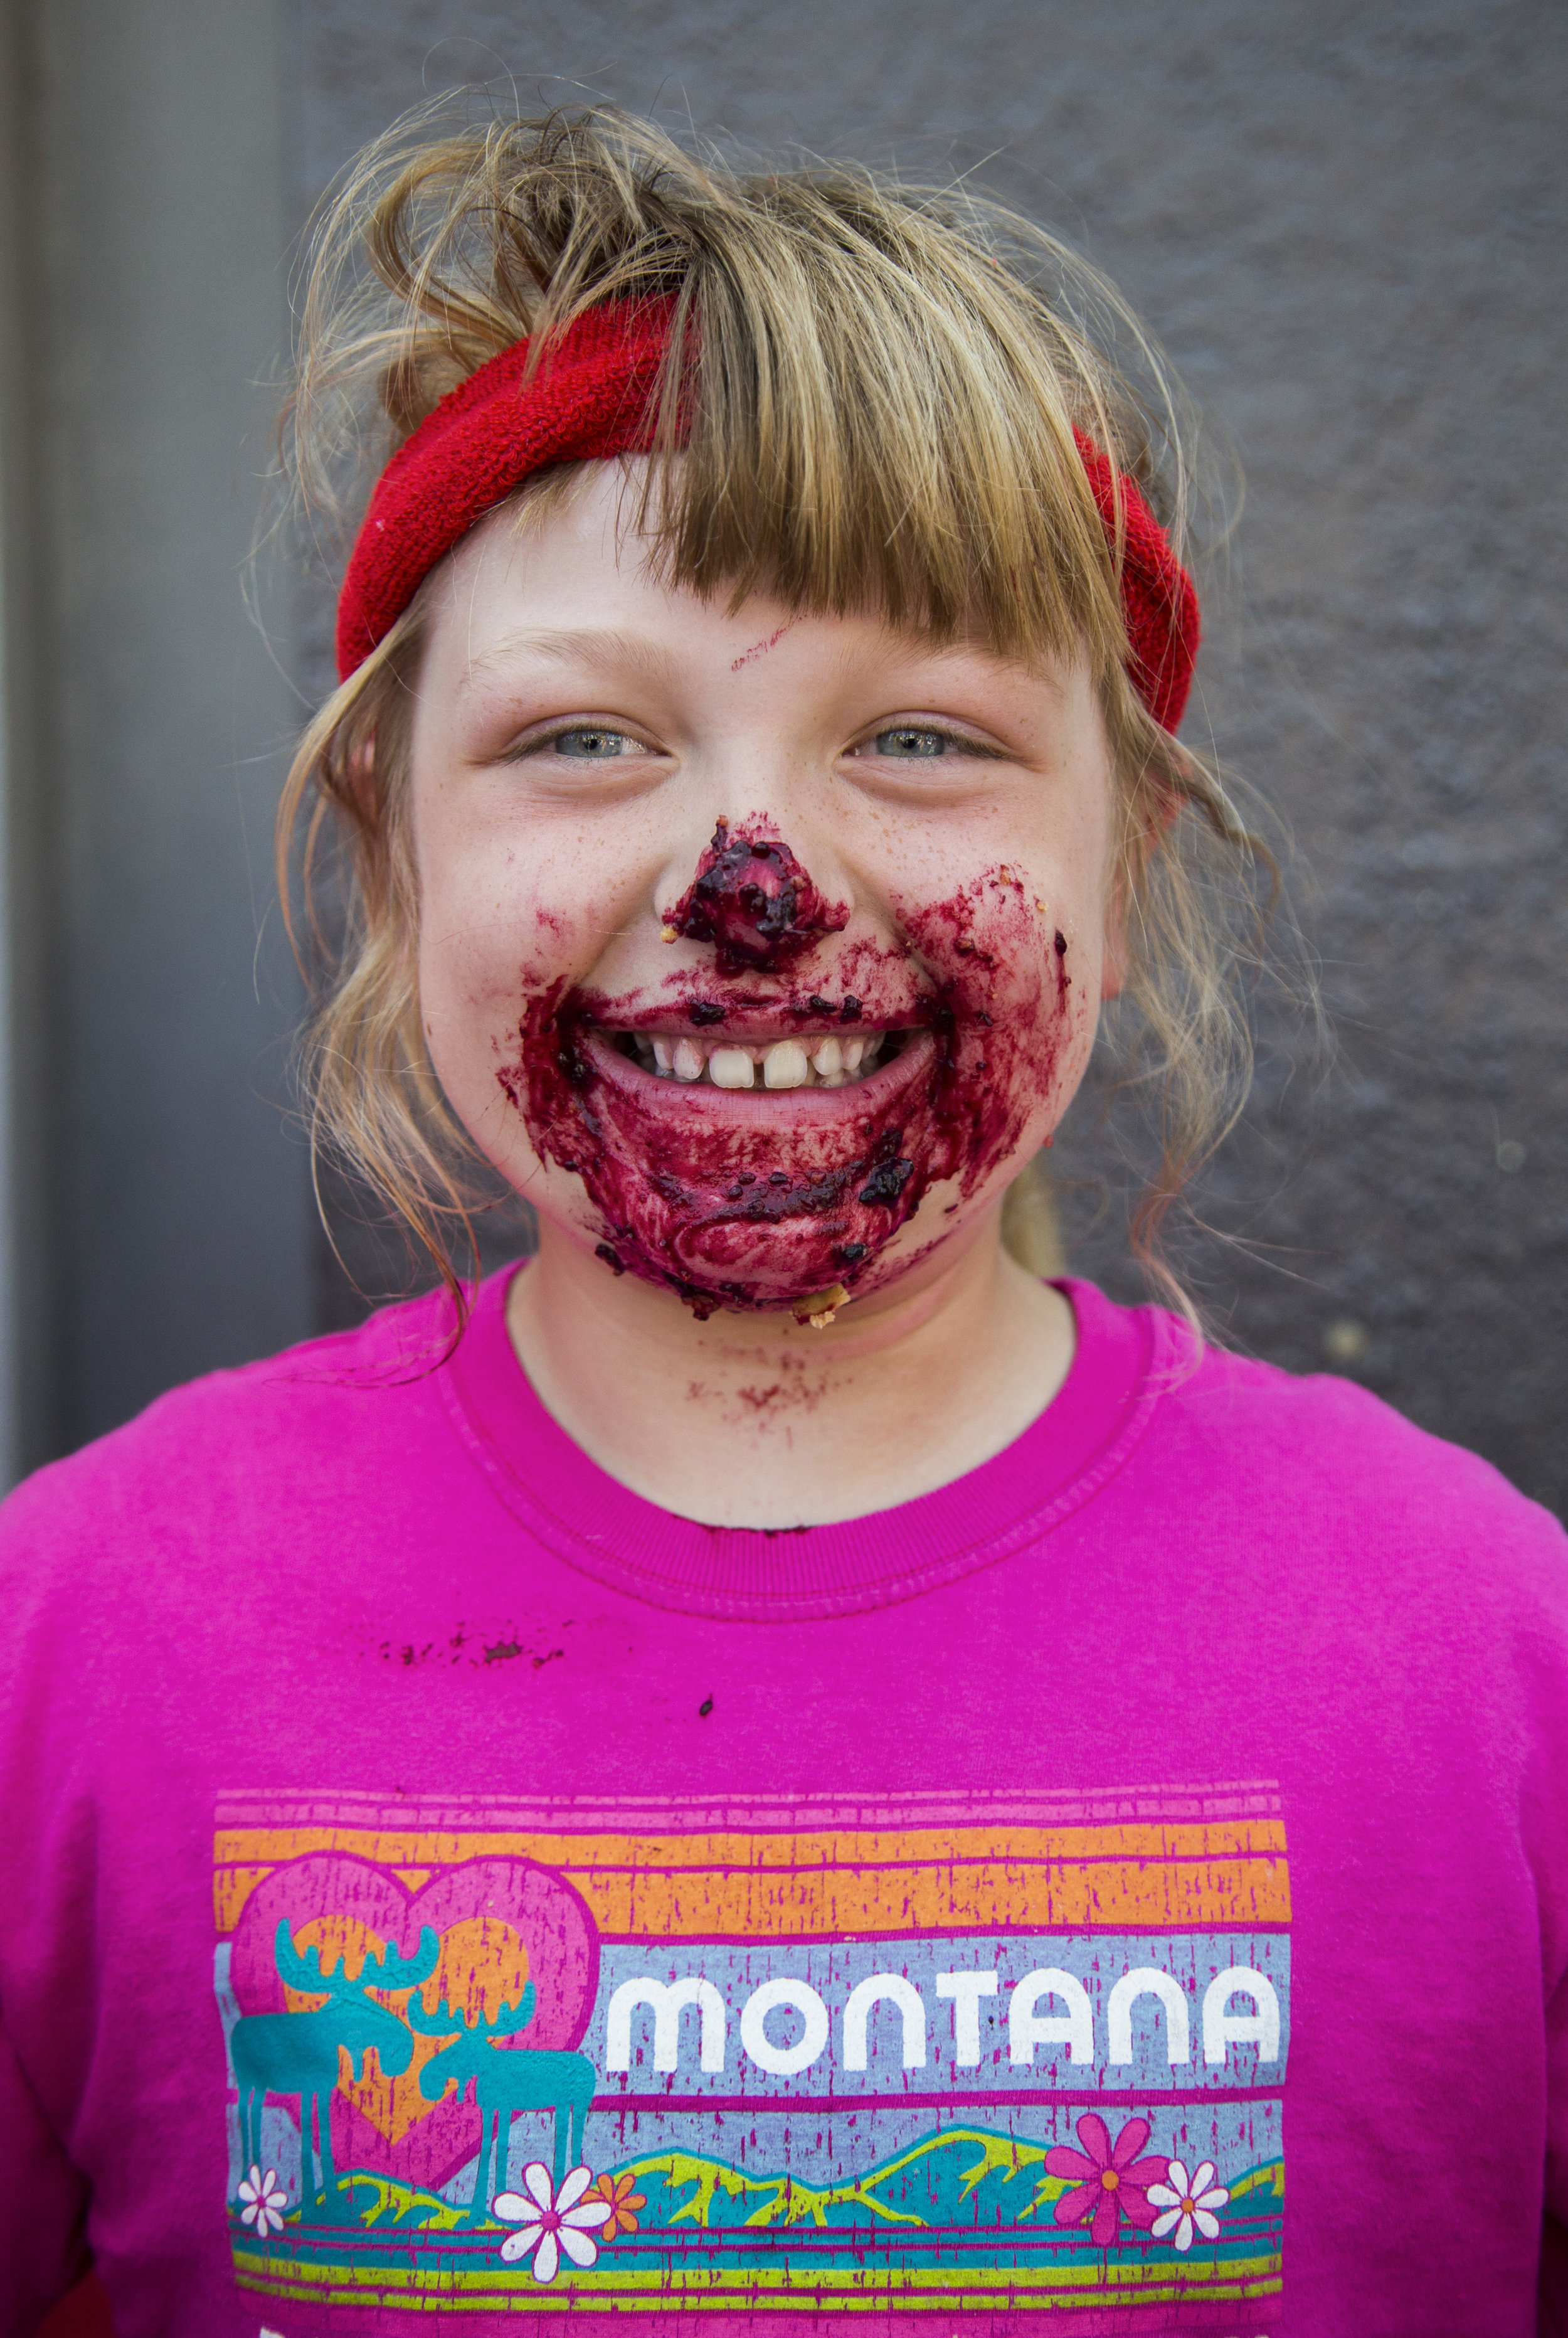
x=759, y=952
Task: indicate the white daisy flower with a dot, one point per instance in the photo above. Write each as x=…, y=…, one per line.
x=1188, y=2206
x=265, y=2202
x=551, y=2221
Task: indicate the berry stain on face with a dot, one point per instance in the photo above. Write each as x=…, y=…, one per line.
x=753, y=901
x=748, y=1140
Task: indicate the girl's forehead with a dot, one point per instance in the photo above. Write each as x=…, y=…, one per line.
x=575, y=580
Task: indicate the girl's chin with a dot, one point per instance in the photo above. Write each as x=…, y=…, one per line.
x=732, y=1265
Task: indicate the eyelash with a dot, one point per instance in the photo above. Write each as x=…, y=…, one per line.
x=544, y=741
x=960, y=739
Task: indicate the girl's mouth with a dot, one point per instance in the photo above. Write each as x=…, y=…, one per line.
x=829, y=1060
x=750, y=1081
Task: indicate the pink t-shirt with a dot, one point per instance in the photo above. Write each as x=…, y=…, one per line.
x=441, y=1889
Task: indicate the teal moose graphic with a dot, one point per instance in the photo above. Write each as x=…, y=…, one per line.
x=506, y=2080
x=297, y=2053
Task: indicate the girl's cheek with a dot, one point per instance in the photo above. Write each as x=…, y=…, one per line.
x=1018, y=1012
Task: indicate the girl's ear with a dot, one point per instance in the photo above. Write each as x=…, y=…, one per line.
x=1114, y=955
x=1158, y=809
x=359, y=773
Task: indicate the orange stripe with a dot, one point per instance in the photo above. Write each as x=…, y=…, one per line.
x=231, y=1887
x=987, y=1896
x=1130, y=1894
x=732, y=1850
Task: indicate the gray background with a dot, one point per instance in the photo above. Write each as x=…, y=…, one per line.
x=1343, y=222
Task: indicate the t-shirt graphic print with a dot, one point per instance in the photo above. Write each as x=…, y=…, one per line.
x=899, y=2056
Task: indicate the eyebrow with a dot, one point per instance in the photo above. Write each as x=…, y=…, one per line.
x=584, y=646
x=948, y=654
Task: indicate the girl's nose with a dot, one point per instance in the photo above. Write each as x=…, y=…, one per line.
x=752, y=899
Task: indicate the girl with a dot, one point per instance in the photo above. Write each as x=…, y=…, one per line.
x=769, y=1763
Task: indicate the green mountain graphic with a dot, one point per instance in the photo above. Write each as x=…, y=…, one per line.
x=956, y=2177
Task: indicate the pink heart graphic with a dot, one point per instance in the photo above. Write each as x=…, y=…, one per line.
x=548, y=1917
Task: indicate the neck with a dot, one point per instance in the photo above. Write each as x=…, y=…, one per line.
x=761, y=1421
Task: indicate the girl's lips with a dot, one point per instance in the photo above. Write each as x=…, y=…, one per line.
x=698, y=1101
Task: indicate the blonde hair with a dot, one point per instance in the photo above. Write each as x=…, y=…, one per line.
x=878, y=387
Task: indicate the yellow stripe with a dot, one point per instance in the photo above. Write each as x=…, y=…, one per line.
x=415, y=2288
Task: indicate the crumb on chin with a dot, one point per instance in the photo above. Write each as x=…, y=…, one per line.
x=821, y=1307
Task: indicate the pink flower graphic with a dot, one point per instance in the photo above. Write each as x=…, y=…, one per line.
x=1111, y=2183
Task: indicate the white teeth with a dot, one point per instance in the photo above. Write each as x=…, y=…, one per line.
x=730, y=1067
x=785, y=1066
x=827, y=1063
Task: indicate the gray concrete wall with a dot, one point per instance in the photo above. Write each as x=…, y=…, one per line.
x=1345, y=222
x=165, y=1225
x=26, y=1321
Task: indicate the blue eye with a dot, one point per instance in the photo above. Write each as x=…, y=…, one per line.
x=592, y=746
x=907, y=743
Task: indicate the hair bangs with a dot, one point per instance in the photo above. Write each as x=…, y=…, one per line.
x=856, y=430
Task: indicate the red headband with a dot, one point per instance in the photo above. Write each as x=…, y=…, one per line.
x=592, y=398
